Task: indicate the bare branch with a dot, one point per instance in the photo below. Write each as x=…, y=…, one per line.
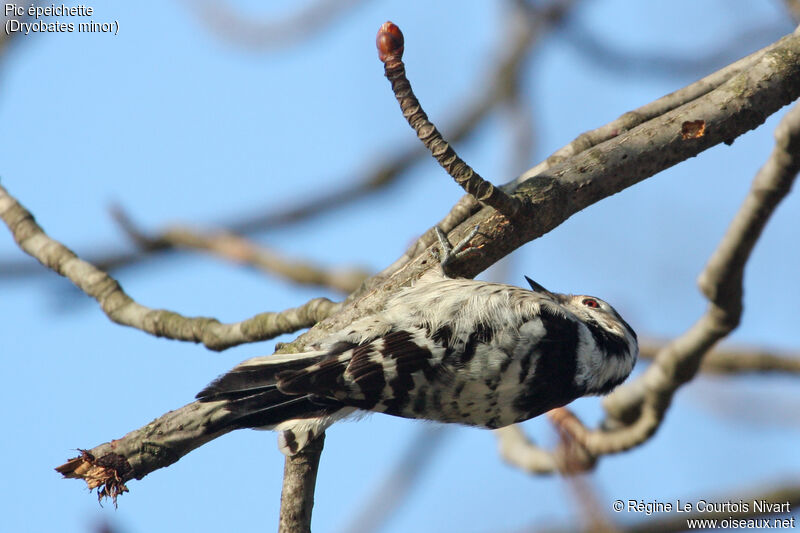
x=123, y=310
x=518, y=450
x=602, y=53
x=299, y=482
x=736, y=360
x=570, y=457
x=793, y=7
x=164, y=441
x=243, y=251
x=260, y=35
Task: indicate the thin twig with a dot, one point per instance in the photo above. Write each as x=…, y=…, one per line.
x=570, y=457
x=602, y=53
x=242, y=251
x=122, y=309
x=253, y=34
x=246, y=252
x=390, y=51
x=532, y=22
x=793, y=7
x=736, y=360
x=516, y=449
x=640, y=144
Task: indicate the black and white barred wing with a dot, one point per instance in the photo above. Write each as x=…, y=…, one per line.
x=302, y=394
x=377, y=375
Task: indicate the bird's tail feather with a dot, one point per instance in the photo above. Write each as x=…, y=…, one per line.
x=255, y=375
x=252, y=397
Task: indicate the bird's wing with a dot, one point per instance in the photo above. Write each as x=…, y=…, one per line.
x=365, y=374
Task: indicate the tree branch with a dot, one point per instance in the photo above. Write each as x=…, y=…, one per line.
x=260, y=35
x=243, y=251
x=516, y=449
x=240, y=250
x=793, y=7
x=158, y=444
x=569, y=457
x=299, y=482
x=122, y=309
x=736, y=360
x=602, y=53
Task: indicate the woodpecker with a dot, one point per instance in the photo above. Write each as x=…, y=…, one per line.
x=446, y=349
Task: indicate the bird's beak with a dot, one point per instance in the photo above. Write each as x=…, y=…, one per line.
x=535, y=287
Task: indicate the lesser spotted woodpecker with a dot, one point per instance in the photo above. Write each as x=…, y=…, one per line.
x=449, y=350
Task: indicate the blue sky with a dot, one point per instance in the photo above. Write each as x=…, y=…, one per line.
x=177, y=125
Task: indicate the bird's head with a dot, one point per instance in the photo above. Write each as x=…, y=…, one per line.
x=607, y=347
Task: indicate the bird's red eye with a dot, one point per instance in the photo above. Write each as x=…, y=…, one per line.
x=590, y=302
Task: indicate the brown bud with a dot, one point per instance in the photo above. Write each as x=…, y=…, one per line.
x=389, y=41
